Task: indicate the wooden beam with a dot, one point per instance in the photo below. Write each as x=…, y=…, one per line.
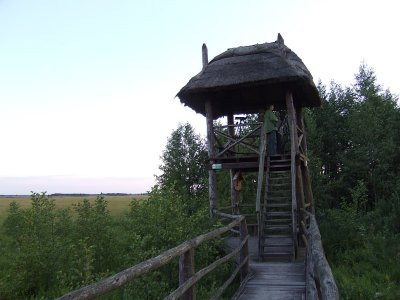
x=186, y=270
x=212, y=175
x=321, y=270
x=236, y=142
x=261, y=168
x=204, y=55
x=240, y=165
x=244, y=251
x=300, y=193
x=234, y=193
x=304, y=169
x=293, y=156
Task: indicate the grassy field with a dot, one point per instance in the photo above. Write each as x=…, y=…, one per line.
x=116, y=204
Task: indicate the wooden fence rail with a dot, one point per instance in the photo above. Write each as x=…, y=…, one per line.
x=187, y=278
x=320, y=283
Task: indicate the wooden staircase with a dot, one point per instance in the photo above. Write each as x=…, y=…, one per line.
x=276, y=239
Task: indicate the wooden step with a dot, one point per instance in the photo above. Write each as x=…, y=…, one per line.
x=280, y=173
x=279, y=156
x=279, y=198
x=279, y=185
x=275, y=221
x=284, y=205
x=279, y=214
x=279, y=180
x=279, y=236
x=270, y=228
x=279, y=166
x=280, y=162
x=277, y=193
x=280, y=249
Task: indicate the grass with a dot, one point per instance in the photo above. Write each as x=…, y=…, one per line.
x=116, y=204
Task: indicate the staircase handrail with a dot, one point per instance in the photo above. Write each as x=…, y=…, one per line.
x=262, y=216
x=320, y=283
x=187, y=277
x=293, y=157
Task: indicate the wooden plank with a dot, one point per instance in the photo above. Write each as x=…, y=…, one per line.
x=239, y=165
x=275, y=281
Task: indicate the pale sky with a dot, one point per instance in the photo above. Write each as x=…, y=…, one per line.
x=87, y=87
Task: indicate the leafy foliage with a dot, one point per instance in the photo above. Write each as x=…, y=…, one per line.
x=48, y=252
x=354, y=141
x=184, y=166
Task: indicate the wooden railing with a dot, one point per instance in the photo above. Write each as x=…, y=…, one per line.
x=187, y=277
x=320, y=283
x=245, y=136
x=246, y=210
x=262, y=215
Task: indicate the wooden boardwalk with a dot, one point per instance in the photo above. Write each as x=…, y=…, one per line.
x=271, y=280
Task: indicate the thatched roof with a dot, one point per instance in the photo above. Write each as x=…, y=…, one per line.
x=247, y=79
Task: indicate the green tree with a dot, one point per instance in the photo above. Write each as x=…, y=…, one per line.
x=329, y=139
x=353, y=142
x=184, y=166
x=375, y=140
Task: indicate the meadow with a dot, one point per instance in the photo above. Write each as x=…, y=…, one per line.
x=116, y=204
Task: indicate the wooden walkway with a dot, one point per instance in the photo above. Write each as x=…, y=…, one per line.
x=271, y=280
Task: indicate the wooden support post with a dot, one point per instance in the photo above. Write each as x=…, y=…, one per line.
x=292, y=120
x=204, y=55
x=294, y=148
x=244, y=252
x=212, y=175
x=186, y=270
x=305, y=171
x=261, y=168
x=234, y=193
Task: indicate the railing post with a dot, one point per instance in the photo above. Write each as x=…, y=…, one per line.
x=244, y=252
x=261, y=167
x=186, y=270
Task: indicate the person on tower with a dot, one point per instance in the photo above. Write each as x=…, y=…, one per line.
x=270, y=126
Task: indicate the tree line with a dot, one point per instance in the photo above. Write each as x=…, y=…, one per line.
x=354, y=145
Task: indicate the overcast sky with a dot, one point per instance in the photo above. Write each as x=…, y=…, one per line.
x=87, y=87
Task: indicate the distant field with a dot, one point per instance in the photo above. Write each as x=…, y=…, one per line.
x=116, y=204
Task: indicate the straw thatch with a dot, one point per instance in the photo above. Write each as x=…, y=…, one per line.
x=248, y=79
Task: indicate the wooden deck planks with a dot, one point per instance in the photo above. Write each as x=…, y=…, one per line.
x=274, y=280
x=271, y=280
